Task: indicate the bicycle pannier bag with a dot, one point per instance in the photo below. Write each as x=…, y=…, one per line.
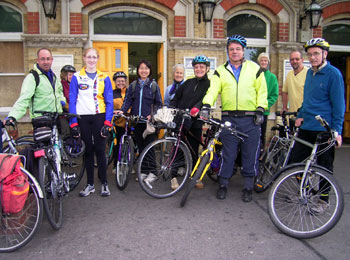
x=14, y=186
x=42, y=128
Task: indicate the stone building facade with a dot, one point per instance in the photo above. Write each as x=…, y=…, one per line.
x=165, y=31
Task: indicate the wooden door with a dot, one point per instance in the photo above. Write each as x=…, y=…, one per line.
x=113, y=57
x=346, y=130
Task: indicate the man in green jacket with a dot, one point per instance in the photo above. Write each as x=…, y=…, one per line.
x=42, y=94
x=243, y=100
x=272, y=92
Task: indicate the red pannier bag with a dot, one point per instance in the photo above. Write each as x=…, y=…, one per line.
x=14, y=185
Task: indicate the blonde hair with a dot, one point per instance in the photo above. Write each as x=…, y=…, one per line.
x=90, y=49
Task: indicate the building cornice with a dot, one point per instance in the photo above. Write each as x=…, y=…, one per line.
x=287, y=47
x=54, y=40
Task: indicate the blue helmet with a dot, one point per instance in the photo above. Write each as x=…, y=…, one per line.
x=201, y=59
x=237, y=38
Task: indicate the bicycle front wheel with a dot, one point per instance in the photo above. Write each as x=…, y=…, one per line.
x=195, y=178
x=163, y=168
x=125, y=163
x=308, y=215
x=53, y=192
x=16, y=230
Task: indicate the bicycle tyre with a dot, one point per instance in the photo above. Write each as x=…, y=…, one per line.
x=79, y=175
x=295, y=216
x=155, y=156
x=52, y=200
x=21, y=144
x=195, y=178
x=126, y=163
x=269, y=166
x=16, y=230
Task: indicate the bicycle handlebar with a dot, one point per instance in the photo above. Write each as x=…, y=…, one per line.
x=57, y=114
x=227, y=125
x=323, y=122
x=284, y=114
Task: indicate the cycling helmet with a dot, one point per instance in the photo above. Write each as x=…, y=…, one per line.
x=119, y=74
x=201, y=59
x=74, y=147
x=68, y=68
x=237, y=38
x=317, y=42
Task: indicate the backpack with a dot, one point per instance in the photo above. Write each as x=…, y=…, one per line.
x=14, y=185
x=153, y=86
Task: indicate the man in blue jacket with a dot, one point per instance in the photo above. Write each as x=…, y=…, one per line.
x=324, y=96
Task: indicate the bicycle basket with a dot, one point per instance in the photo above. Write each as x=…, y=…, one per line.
x=165, y=115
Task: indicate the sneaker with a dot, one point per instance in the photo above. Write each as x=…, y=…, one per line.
x=150, y=178
x=174, y=184
x=114, y=171
x=105, y=190
x=221, y=193
x=319, y=207
x=247, y=195
x=87, y=190
x=199, y=184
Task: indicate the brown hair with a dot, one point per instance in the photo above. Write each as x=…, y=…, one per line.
x=90, y=49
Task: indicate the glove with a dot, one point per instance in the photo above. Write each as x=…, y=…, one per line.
x=10, y=121
x=75, y=131
x=205, y=112
x=194, y=111
x=259, y=116
x=105, y=131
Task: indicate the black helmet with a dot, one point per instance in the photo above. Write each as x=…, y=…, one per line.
x=68, y=68
x=74, y=146
x=119, y=74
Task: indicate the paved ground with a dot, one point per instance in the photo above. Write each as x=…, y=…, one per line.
x=132, y=225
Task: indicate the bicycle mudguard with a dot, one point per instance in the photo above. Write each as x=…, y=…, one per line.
x=281, y=171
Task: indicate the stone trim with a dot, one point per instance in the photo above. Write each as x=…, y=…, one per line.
x=54, y=40
x=190, y=43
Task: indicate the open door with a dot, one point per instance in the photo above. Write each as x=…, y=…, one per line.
x=113, y=57
x=160, y=59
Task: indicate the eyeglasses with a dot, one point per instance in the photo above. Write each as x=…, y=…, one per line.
x=315, y=54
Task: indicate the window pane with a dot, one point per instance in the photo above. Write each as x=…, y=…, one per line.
x=118, y=62
x=337, y=34
x=10, y=20
x=128, y=23
x=252, y=53
x=247, y=25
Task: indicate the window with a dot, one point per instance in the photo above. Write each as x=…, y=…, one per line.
x=127, y=23
x=337, y=34
x=10, y=20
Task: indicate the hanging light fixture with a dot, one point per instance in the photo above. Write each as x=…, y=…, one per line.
x=50, y=7
x=314, y=12
x=206, y=7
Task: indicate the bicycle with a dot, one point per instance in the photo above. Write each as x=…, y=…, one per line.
x=16, y=230
x=276, y=156
x=56, y=176
x=14, y=146
x=205, y=159
x=306, y=201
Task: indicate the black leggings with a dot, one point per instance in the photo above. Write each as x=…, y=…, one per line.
x=90, y=127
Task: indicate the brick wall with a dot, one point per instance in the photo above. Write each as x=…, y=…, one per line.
x=218, y=28
x=283, y=32
x=180, y=26
x=317, y=32
x=76, y=23
x=33, y=23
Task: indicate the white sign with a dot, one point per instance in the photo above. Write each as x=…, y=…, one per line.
x=189, y=69
x=288, y=67
x=59, y=61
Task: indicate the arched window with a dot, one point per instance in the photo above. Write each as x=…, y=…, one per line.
x=254, y=28
x=127, y=23
x=337, y=34
x=10, y=20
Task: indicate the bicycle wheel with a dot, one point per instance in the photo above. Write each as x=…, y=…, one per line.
x=166, y=161
x=125, y=163
x=53, y=194
x=16, y=230
x=312, y=214
x=195, y=178
x=20, y=144
x=74, y=168
x=270, y=163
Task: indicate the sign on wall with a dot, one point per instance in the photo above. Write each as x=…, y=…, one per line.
x=59, y=61
x=288, y=67
x=189, y=69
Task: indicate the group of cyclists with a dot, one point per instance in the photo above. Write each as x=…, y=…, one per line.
x=240, y=83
